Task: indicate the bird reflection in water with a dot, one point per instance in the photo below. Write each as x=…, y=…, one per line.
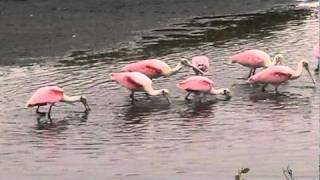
x=44, y=123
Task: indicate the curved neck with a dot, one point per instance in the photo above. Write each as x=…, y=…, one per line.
x=216, y=91
x=153, y=92
x=274, y=61
x=278, y=59
x=71, y=99
x=269, y=63
x=176, y=69
x=297, y=73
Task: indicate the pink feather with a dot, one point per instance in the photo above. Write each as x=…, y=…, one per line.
x=196, y=83
x=251, y=58
x=45, y=95
x=131, y=80
x=273, y=75
x=201, y=62
x=151, y=67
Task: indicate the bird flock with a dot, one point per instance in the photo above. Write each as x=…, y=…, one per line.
x=137, y=77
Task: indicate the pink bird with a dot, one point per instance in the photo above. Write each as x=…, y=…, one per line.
x=201, y=62
x=276, y=75
x=255, y=59
x=154, y=68
x=136, y=81
x=51, y=95
x=316, y=55
x=201, y=85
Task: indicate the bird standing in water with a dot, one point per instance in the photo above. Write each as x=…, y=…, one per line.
x=255, y=59
x=201, y=62
x=51, y=95
x=136, y=81
x=276, y=75
x=154, y=68
x=201, y=85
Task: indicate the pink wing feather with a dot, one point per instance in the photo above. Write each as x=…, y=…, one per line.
x=200, y=60
x=272, y=75
x=150, y=67
x=126, y=80
x=45, y=95
x=196, y=83
x=252, y=58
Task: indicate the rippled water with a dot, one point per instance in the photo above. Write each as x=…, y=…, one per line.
x=153, y=140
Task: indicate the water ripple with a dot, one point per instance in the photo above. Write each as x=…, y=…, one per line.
x=260, y=130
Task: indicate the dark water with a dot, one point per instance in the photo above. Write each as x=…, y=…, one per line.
x=151, y=140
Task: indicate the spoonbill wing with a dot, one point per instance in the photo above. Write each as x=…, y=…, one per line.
x=45, y=95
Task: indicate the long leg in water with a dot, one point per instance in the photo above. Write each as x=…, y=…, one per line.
x=187, y=96
x=40, y=113
x=250, y=73
x=264, y=87
x=254, y=71
x=132, y=97
x=49, y=113
x=202, y=96
x=147, y=95
x=318, y=66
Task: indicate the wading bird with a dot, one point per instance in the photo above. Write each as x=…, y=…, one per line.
x=201, y=85
x=316, y=55
x=154, y=68
x=51, y=95
x=201, y=62
x=255, y=59
x=136, y=81
x=275, y=75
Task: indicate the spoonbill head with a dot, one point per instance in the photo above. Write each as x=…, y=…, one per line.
x=201, y=85
x=278, y=59
x=276, y=75
x=136, y=81
x=154, y=68
x=51, y=95
x=306, y=67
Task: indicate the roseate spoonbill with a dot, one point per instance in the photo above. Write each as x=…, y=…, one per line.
x=154, y=68
x=255, y=58
x=201, y=62
x=275, y=75
x=51, y=95
x=316, y=55
x=136, y=81
x=201, y=85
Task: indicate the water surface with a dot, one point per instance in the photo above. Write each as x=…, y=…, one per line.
x=154, y=140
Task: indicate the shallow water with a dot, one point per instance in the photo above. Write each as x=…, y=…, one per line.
x=154, y=140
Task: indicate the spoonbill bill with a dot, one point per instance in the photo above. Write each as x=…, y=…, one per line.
x=51, y=95
x=201, y=62
x=136, y=81
x=154, y=68
x=255, y=58
x=316, y=55
x=275, y=75
x=201, y=85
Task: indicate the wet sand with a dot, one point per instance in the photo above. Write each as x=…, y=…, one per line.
x=35, y=28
